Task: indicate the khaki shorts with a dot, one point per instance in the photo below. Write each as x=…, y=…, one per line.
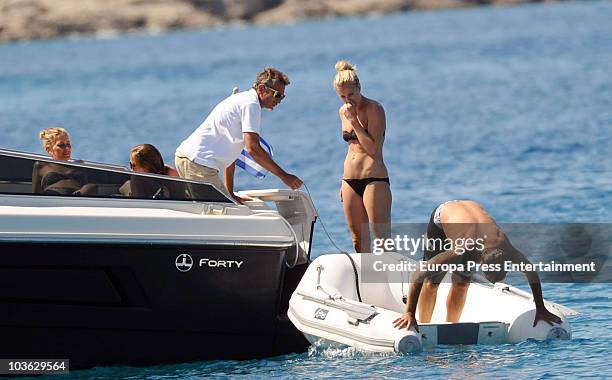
x=190, y=170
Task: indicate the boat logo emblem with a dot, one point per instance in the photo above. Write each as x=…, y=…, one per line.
x=557, y=333
x=321, y=314
x=183, y=262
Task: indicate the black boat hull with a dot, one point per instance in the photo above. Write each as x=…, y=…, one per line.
x=132, y=304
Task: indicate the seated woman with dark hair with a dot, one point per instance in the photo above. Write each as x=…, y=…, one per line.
x=145, y=158
x=55, y=178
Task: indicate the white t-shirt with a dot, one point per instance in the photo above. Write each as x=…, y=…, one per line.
x=218, y=141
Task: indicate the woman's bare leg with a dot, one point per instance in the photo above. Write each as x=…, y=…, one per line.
x=377, y=202
x=356, y=218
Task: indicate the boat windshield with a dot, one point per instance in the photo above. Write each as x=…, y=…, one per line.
x=31, y=174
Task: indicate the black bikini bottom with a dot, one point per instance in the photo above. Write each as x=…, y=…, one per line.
x=359, y=185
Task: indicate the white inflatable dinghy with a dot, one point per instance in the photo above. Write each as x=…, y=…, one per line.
x=325, y=307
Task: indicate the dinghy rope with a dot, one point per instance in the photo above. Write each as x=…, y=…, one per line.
x=321, y=220
x=356, y=275
x=335, y=245
x=297, y=245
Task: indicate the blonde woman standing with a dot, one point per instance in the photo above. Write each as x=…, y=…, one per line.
x=365, y=190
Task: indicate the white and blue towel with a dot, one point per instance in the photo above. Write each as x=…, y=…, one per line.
x=246, y=162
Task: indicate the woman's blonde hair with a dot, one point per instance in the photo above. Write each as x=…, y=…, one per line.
x=48, y=136
x=346, y=72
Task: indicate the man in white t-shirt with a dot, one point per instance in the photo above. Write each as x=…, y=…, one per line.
x=231, y=126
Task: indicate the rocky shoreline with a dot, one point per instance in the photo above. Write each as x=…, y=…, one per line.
x=23, y=20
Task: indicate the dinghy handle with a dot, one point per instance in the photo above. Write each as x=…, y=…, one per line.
x=320, y=288
x=521, y=293
x=356, y=312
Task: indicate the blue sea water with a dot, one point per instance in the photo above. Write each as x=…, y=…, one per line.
x=509, y=106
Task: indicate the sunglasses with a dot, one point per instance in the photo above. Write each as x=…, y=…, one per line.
x=132, y=166
x=277, y=94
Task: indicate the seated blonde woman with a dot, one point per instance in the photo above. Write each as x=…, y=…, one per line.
x=55, y=178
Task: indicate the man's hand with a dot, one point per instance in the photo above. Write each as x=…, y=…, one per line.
x=542, y=314
x=292, y=181
x=240, y=199
x=406, y=320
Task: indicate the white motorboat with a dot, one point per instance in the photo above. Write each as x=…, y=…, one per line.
x=333, y=305
x=172, y=272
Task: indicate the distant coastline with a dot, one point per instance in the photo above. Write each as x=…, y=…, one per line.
x=24, y=20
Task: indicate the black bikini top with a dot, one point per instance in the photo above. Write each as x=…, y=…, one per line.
x=53, y=177
x=348, y=136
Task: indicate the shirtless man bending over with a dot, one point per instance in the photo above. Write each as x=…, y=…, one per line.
x=464, y=221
